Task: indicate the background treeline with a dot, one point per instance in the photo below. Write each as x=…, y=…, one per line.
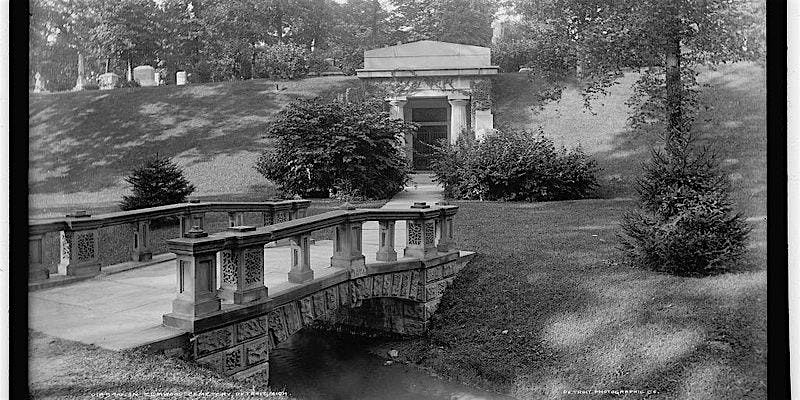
x=217, y=40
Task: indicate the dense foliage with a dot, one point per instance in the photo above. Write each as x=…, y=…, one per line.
x=283, y=61
x=158, y=182
x=456, y=21
x=349, y=150
x=217, y=40
x=516, y=166
x=685, y=223
x=602, y=38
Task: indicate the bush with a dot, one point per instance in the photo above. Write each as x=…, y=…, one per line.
x=685, y=223
x=515, y=166
x=282, y=61
x=158, y=182
x=344, y=149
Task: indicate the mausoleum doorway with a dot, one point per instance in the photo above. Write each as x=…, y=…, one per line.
x=433, y=116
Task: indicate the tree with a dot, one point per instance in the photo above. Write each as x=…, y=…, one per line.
x=685, y=223
x=158, y=182
x=458, y=21
x=347, y=149
x=667, y=38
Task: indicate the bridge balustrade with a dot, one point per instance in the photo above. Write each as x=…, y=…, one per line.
x=237, y=255
x=85, y=243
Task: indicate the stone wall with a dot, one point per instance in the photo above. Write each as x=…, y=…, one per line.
x=398, y=302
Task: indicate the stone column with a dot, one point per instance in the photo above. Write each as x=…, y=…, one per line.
x=458, y=116
x=235, y=219
x=347, y=248
x=397, y=104
x=446, y=241
x=397, y=111
x=242, y=275
x=301, y=260
x=79, y=251
x=141, y=241
x=36, y=271
x=190, y=221
x=386, y=250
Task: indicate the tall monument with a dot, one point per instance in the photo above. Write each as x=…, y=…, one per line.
x=81, y=74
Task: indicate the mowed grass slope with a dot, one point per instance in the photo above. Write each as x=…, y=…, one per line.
x=548, y=306
x=83, y=144
x=734, y=125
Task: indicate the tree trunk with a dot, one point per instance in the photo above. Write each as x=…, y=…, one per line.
x=674, y=86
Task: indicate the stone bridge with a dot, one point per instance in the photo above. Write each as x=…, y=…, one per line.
x=240, y=291
x=233, y=328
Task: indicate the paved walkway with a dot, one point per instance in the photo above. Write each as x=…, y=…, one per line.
x=124, y=309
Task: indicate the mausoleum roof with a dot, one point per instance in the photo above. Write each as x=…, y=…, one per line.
x=428, y=55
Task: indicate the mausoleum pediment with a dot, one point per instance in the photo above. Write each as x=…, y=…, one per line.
x=428, y=55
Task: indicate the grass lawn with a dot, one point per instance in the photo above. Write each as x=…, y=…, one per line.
x=62, y=369
x=83, y=144
x=575, y=318
x=548, y=306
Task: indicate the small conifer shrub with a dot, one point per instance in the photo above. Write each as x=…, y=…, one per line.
x=685, y=223
x=158, y=182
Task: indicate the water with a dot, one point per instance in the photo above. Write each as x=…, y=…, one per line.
x=319, y=365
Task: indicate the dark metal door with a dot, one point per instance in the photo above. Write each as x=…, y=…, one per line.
x=425, y=141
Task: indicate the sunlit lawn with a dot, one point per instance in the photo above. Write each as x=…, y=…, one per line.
x=83, y=144
x=577, y=318
x=62, y=369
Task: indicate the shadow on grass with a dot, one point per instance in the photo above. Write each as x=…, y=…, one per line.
x=548, y=308
x=88, y=141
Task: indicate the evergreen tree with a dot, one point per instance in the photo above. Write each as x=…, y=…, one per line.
x=685, y=223
x=158, y=182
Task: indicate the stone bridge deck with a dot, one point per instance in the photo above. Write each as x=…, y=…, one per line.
x=125, y=310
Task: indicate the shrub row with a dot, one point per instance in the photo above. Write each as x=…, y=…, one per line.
x=515, y=166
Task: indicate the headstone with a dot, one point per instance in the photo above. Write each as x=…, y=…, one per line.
x=130, y=72
x=525, y=69
x=108, y=81
x=180, y=78
x=38, y=87
x=144, y=75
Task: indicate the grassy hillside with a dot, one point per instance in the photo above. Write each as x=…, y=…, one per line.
x=734, y=125
x=82, y=144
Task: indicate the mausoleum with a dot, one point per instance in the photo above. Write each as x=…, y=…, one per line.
x=444, y=87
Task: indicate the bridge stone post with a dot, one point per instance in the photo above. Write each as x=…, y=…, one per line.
x=386, y=250
x=191, y=220
x=196, y=271
x=421, y=236
x=347, y=251
x=36, y=269
x=242, y=275
x=446, y=240
x=301, y=260
x=79, y=253
x=235, y=219
x=141, y=241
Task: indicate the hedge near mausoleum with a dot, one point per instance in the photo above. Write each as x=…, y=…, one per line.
x=514, y=166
